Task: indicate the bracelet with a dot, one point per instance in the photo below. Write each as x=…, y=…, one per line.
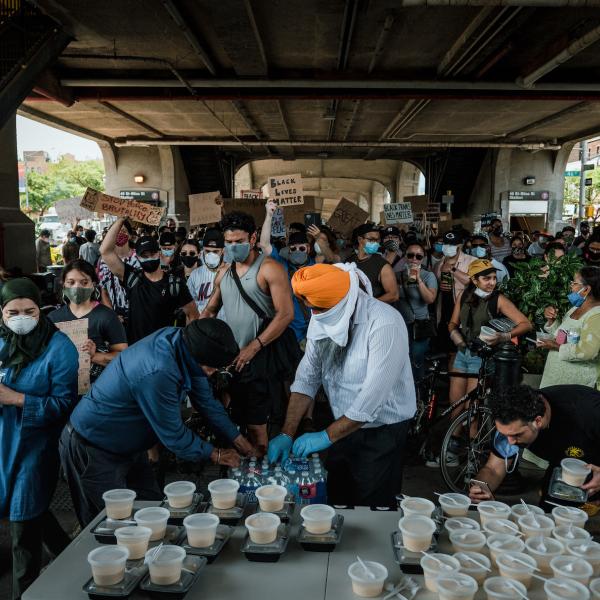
x=262, y=346
x=219, y=456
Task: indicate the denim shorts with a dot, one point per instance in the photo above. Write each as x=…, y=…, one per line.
x=467, y=362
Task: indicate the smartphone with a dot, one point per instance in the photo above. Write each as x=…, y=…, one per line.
x=312, y=218
x=531, y=340
x=481, y=484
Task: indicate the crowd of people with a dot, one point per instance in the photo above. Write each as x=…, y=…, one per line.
x=252, y=330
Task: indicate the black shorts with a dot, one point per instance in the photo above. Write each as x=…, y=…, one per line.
x=251, y=401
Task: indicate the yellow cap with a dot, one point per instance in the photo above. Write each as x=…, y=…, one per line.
x=479, y=266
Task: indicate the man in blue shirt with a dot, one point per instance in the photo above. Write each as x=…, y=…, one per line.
x=136, y=402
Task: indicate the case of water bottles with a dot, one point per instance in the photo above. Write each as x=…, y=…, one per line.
x=304, y=478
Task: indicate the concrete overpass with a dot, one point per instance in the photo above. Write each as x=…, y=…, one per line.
x=479, y=94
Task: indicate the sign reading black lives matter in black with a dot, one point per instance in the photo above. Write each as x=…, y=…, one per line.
x=286, y=190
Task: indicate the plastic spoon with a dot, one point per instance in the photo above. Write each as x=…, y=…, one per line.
x=394, y=591
x=521, y=562
x=437, y=560
x=364, y=566
x=150, y=559
x=530, y=512
x=449, y=498
x=513, y=587
x=477, y=562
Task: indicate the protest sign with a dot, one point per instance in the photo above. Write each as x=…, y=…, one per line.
x=295, y=214
x=251, y=206
x=70, y=210
x=417, y=203
x=433, y=211
x=77, y=332
x=487, y=218
x=138, y=211
x=251, y=194
x=286, y=190
x=346, y=217
x=278, y=224
x=205, y=208
x=398, y=212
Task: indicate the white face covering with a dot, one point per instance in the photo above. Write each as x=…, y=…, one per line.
x=212, y=259
x=449, y=250
x=481, y=293
x=21, y=324
x=317, y=248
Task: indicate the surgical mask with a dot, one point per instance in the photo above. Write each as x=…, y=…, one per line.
x=167, y=253
x=340, y=243
x=149, y=265
x=317, y=248
x=21, y=324
x=73, y=240
x=212, y=259
x=481, y=293
x=517, y=251
x=479, y=251
x=391, y=245
x=189, y=261
x=438, y=247
x=297, y=257
x=237, y=252
x=78, y=295
x=576, y=299
x=371, y=247
x=449, y=250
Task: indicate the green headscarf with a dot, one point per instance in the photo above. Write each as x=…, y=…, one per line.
x=20, y=350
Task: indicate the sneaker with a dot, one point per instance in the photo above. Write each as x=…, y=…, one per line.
x=451, y=461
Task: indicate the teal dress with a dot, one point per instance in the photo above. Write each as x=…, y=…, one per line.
x=29, y=435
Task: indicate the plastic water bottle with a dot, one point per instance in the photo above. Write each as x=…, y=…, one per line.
x=292, y=485
x=279, y=478
x=264, y=469
x=307, y=489
x=250, y=482
x=321, y=485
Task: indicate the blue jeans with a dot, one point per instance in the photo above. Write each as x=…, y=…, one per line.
x=418, y=350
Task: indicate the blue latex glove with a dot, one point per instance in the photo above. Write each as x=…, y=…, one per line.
x=311, y=442
x=279, y=448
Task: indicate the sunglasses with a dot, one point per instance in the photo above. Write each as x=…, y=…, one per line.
x=413, y=255
x=299, y=248
x=188, y=254
x=478, y=245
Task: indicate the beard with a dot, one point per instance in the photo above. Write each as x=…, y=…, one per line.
x=331, y=355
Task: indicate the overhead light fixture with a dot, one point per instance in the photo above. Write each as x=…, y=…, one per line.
x=139, y=178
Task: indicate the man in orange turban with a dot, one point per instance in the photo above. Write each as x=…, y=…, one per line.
x=321, y=286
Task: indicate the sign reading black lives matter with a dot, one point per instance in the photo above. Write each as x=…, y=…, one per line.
x=286, y=190
x=398, y=212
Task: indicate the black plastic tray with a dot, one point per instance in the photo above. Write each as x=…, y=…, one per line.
x=224, y=533
x=177, y=590
x=560, y=490
x=267, y=552
x=179, y=514
x=322, y=542
x=133, y=576
x=230, y=516
x=410, y=562
x=104, y=531
x=286, y=513
x=437, y=516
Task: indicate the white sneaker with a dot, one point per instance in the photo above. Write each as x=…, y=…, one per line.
x=451, y=461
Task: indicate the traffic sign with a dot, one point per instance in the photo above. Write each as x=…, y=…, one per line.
x=589, y=167
x=588, y=181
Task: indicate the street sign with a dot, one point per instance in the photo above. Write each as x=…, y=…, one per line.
x=572, y=173
x=147, y=196
x=523, y=195
x=589, y=167
x=588, y=181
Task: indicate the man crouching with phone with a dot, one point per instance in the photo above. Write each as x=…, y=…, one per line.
x=554, y=423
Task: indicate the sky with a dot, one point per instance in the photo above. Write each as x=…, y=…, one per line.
x=32, y=135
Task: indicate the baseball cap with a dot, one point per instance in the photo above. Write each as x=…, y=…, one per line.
x=213, y=238
x=167, y=238
x=452, y=238
x=390, y=230
x=297, y=238
x=362, y=230
x=481, y=267
x=146, y=244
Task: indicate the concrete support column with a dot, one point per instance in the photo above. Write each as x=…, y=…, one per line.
x=243, y=179
x=17, y=233
x=378, y=197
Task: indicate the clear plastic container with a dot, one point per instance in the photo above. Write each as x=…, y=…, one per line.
x=262, y=527
x=503, y=588
x=544, y=549
x=465, y=540
x=108, y=564
x=458, y=523
x=457, y=586
x=271, y=497
x=518, y=510
x=135, y=539
x=434, y=565
x=417, y=532
x=595, y=588
x=165, y=564
x=501, y=543
x=501, y=526
x=569, y=515
x=317, y=518
x=565, y=589
x=180, y=494
x=574, y=471
x=536, y=525
x=455, y=505
x=566, y=534
x=223, y=493
x=417, y=506
x=517, y=565
x=119, y=503
x=589, y=551
x=155, y=518
x=201, y=529
x=491, y=509
x=362, y=583
x=474, y=564
x=572, y=567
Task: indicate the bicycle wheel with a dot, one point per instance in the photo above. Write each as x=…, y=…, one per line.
x=466, y=447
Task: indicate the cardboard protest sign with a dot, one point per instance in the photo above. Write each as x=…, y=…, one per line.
x=433, y=211
x=445, y=226
x=346, y=217
x=417, y=203
x=278, y=224
x=295, y=214
x=286, y=190
x=138, y=211
x=70, y=210
x=398, y=212
x=252, y=206
x=77, y=332
x=205, y=208
x=251, y=194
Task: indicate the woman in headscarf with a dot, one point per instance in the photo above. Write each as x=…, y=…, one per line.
x=38, y=390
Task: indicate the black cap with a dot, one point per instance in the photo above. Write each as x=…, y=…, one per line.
x=211, y=342
x=362, y=230
x=167, y=238
x=390, y=230
x=452, y=238
x=297, y=238
x=146, y=244
x=213, y=238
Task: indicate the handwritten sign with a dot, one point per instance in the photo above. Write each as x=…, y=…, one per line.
x=286, y=190
x=398, y=212
x=417, y=203
x=205, y=208
x=251, y=194
x=138, y=211
x=278, y=224
x=70, y=210
x=252, y=206
x=346, y=217
x=433, y=211
x=77, y=332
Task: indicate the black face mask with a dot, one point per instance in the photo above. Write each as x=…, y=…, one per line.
x=497, y=231
x=592, y=256
x=189, y=261
x=149, y=266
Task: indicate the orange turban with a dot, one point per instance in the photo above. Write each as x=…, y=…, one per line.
x=321, y=285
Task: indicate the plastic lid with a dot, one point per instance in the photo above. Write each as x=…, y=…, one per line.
x=515, y=560
x=503, y=587
x=108, y=555
x=452, y=499
x=575, y=465
x=271, y=492
x=223, y=486
x=467, y=537
x=568, y=532
x=566, y=588
x=358, y=572
x=201, y=521
x=262, y=521
x=119, y=495
x=133, y=532
x=439, y=562
x=317, y=512
x=536, y=522
x=584, y=548
x=457, y=583
x=544, y=545
x=473, y=561
x=456, y=523
x=166, y=555
x=180, y=488
x=502, y=541
x=571, y=565
x=493, y=506
x=570, y=513
x=152, y=513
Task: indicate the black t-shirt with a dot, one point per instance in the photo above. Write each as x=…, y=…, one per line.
x=152, y=304
x=510, y=261
x=372, y=267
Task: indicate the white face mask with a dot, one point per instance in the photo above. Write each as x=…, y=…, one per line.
x=21, y=324
x=212, y=259
x=481, y=293
x=317, y=248
x=449, y=250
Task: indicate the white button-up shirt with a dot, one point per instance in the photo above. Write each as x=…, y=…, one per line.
x=375, y=384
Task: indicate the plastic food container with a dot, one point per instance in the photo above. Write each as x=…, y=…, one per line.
x=458, y=523
x=589, y=551
x=544, y=549
x=434, y=565
x=108, y=564
x=465, y=540
x=474, y=564
x=165, y=567
x=155, y=518
x=201, y=529
x=574, y=471
x=572, y=567
x=514, y=566
x=503, y=588
x=262, y=527
x=135, y=539
x=119, y=503
x=417, y=506
x=417, y=532
x=271, y=497
x=455, y=505
x=536, y=525
x=566, y=534
x=362, y=584
x=567, y=515
x=491, y=509
x=180, y=493
x=487, y=334
x=317, y=518
x=501, y=526
x=595, y=588
x=457, y=586
x=501, y=543
x=223, y=492
x=518, y=510
x=565, y=589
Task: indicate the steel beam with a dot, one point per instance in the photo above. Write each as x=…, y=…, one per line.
x=131, y=118
x=576, y=108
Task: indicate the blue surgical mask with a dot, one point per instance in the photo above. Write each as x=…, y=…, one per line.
x=438, y=247
x=168, y=253
x=372, y=247
x=479, y=252
x=576, y=299
x=340, y=243
x=237, y=252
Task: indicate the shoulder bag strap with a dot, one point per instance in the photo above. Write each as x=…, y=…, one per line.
x=260, y=313
x=407, y=297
